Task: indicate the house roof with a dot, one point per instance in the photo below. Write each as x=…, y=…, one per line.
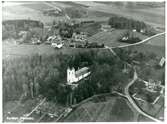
x=82, y=71
x=162, y=61
x=105, y=26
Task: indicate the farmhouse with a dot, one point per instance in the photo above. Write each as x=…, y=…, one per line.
x=75, y=76
x=152, y=89
x=57, y=45
x=134, y=30
x=79, y=37
x=54, y=39
x=162, y=62
x=106, y=28
x=142, y=31
x=153, y=85
x=125, y=38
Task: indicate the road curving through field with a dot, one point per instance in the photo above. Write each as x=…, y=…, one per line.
x=130, y=99
x=141, y=42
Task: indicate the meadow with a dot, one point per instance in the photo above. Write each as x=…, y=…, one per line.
x=110, y=109
x=152, y=15
x=25, y=50
x=155, y=45
x=111, y=38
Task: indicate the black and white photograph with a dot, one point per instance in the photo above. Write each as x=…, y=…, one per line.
x=83, y=61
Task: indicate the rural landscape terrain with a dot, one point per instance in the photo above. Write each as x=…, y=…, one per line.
x=83, y=61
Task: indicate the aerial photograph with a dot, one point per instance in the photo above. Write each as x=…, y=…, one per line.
x=83, y=61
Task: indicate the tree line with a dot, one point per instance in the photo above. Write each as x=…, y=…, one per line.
x=125, y=23
x=22, y=30
x=46, y=75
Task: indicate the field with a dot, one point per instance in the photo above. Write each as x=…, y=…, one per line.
x=156, y=110
x=18, y=110
x=13, y=109
x=152, y=15
x=157, y=41
x=113, y=109
x=142, y=118
x=33, y=10
x=111, y=38
x=155, y=45
x=13, y=51
x=30, y=10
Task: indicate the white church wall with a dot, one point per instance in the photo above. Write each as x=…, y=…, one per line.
x=71, y=77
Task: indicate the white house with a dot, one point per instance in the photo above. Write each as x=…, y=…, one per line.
x=106, y=28
x=125, y=38
x=54, y=39
x=79, y=37
x=134, y=30
x=57, y=45
x=152, y=85
x=162, y=61
x=74, y=76
x=142, y=31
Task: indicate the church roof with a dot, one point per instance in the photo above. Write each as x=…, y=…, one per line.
x=82, y=71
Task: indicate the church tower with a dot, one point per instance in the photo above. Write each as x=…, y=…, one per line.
x=70, y=75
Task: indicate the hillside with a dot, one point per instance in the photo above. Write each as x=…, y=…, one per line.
x=106, y=109
x=158, y=41
x=13, y=51
x=153, y=14
x=155, y=45
x=111, y=38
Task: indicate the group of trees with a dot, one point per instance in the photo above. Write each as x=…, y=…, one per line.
x=125, y=23
x=13, y=29
x=76, y=12
x=8, y=31
x=130, y=38
x=106, y=74
x=65, y=30
x=91, y=28
x=32, y=76
x=23, y=24
x=46, y=76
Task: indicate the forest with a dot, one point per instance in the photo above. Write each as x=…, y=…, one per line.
x=125, y=23
x=22, y=29
x=46, y=75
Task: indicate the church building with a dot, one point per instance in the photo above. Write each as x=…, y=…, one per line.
x=74, y=76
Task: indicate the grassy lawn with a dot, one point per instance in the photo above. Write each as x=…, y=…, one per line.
x=153, y=16
x=157, y=41
x=142, y=118
x=121, y=112
x=144, y=48
x=18, y=110
x=155, y=45
x=112, y=110
x=13, y=51
x=29, y=11
x=155, y=110
x=36, y=6
x=111, y=38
